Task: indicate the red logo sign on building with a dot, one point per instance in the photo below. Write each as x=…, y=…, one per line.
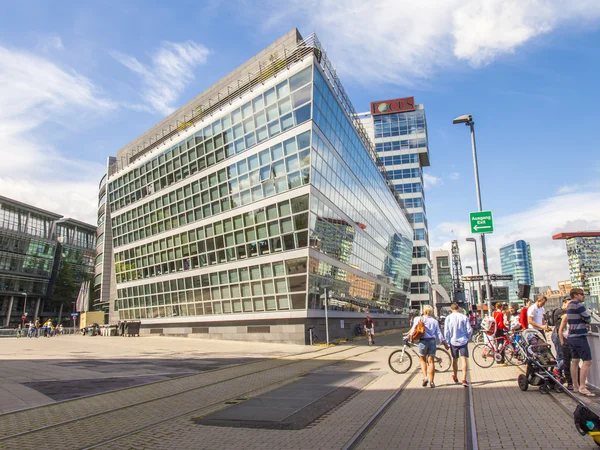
x=393, y=106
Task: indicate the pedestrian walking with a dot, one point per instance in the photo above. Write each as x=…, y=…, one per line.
x=578, y=317
x=457, y=332
x=19, y=331
x=427, y=344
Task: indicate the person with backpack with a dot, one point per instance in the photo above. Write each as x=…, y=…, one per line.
x=553, y=319
x=427, y=344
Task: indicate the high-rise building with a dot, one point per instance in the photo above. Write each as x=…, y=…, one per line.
x=583, y=251
x=34, y=243
x=236, y=213
x=399, y=130
x=515, y=260
x=442, y=270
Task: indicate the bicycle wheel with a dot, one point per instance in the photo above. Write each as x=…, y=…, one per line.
x=483, y=355
x=478, y=338
x=400, y=361
x=512, y=357
x=442, y=360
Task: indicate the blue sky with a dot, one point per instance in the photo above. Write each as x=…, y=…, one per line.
x=79, y=80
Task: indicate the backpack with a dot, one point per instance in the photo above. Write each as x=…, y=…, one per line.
x=549, y=317
x=488, y=326
x=585, y=420
x=419, y=330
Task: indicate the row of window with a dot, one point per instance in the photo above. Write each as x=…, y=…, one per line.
x=421, y=234
x=400, y=159
x=265, y=116
x=420, y=251
x=12, y=262
x=400, y=174
x=277, y=286
x=278, y=227
x=416, y=217
x=403, y=144
x=416, y=202
x=408, y=188
x=274, y=170
x=421, y=287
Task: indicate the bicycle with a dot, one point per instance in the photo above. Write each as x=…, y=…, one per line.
x=484, y=355
x=400, y=361
x=370, y=336
x=314, y=339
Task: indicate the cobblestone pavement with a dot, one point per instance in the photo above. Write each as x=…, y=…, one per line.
x=423, y=418
x=37, y=372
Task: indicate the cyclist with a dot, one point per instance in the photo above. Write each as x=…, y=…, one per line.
x=369, y=327
x=501, y=327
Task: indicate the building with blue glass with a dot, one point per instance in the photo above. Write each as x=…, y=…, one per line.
x=515, y=259
x=233, y=216
x=399, y=130
x=34, y=245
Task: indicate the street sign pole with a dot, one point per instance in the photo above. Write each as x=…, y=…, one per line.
x=488, y=287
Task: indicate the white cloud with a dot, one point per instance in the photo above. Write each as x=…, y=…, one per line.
x=431, y=180
x=454, y=176
x=404, y=42
x=569, y=212
x=566, y=189
x=34, y=92
x=170, y=71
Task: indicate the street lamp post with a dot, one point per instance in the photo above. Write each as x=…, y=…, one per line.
x=467, y=119
x=471, y=283
x=474, y=241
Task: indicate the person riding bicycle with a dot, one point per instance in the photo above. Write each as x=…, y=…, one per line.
x=369, y=327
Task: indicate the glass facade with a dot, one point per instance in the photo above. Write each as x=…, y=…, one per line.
x=401, y=144
x=258, y=211
x=33, y=244
x=515, y=260
x=584, y=260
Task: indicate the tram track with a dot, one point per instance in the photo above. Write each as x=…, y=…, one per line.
x=122, y=421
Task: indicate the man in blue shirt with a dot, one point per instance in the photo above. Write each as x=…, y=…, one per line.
x=457, y=332
x=578, y=318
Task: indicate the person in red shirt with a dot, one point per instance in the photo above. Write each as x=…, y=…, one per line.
x=501, y=327
x=523, y=319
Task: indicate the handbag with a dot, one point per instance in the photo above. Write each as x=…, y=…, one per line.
x=419, y=330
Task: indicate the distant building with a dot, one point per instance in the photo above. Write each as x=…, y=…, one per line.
x=515, y=260
x=442, y=270
x=565, y=287
x=538, y=290
x=399, y=130
x=34, y=243
x=583, y=251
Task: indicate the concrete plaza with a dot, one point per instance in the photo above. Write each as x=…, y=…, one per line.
x=162, y=392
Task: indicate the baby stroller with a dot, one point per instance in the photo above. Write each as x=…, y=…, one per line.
x=539, y=363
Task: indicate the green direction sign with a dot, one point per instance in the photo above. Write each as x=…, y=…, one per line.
x=481, y=222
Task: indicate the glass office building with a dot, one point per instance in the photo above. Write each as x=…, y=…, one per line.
x=583, y=251
x=33, y=245
x=262, y=196
x=515, y=260
x=399, y=129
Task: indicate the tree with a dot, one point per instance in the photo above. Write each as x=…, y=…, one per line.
x=65, y=287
